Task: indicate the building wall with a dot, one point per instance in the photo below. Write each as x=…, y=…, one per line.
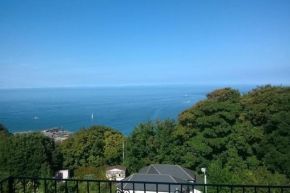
x=115, y=174
x=63, y=173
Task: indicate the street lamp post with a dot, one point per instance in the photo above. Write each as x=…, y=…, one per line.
x=204, y=174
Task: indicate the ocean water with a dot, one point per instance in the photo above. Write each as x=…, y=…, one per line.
x=121, y=108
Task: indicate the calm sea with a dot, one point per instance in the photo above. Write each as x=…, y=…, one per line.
x=121, y=108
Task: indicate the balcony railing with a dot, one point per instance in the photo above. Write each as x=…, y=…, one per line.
x=53, y=185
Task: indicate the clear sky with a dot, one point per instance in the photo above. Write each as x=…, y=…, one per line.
x=51, y=43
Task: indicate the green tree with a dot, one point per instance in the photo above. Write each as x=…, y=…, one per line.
x=218, y=174
x=3, y=132
x=164, y=141
x=90, y=147
x=90, y=172
x=140, y=148
x=207, y=127
x=244, y=135
x=113, y=149
x=27, y=155
x=151, y=143
x=268, y=109
x=260, y=176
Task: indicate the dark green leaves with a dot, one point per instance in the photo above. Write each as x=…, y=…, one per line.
x=96, y=146
x=28, y=155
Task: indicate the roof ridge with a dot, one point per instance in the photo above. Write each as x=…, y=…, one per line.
x=153, y=174
x=148, y=169
x=172, y=178
x=165, y=164
x=155, y=168
x=184, y=171
x=130, y=177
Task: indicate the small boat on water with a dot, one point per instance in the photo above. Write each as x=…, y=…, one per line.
x=92, y=116
x=35, y=118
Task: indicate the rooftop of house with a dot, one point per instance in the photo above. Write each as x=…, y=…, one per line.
x=164, y=178
x=154, y=178
x=173, y=170
x=116, y=167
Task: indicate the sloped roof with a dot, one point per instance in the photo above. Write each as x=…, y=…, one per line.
x=164, y=178
x=173, y=170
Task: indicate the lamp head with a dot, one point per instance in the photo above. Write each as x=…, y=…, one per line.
x=203, y=170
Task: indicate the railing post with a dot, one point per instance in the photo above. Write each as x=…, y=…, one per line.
x=1, y=186
x=156, y=187
x=34, y=185
x=66, y=188
x=24, y=185
x=45, y=186
x=55, y=186
x=88, y=187
x=13, y=184
x=10, y=184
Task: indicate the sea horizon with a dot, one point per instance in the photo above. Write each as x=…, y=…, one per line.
x=119, y=107
x=220, y=85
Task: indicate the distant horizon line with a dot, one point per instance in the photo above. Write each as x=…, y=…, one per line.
x=144, y=85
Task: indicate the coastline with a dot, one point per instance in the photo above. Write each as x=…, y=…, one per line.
x=55, y=133
x=121, y=108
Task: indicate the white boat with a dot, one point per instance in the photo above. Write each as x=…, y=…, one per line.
x=92, y=116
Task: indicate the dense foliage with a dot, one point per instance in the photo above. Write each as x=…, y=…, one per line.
x=149, y=143
x=90, y=172
x=243, y=139
x=3, y=132
x=96, y=146
x=29, y=154
x=240, y=139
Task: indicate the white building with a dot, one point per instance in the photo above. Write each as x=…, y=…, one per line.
x=62, y=174
x=116, y=172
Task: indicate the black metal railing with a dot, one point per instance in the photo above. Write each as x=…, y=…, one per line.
x=53, y=185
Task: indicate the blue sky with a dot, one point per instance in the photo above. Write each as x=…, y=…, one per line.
x=89, y=43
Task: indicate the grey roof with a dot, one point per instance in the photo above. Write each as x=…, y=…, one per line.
x=164, y=178
x=173, y=170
